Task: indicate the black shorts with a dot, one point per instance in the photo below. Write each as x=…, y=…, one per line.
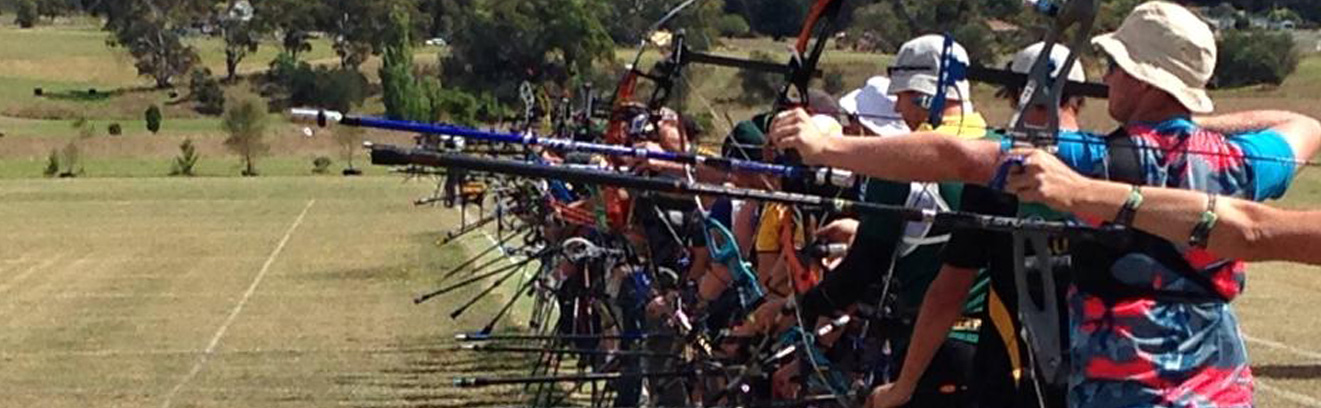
x=948, y=379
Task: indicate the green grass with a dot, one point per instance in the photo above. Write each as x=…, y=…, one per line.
x=225, y=166
x=112, y=290
x=79, y=55
x=34, y=128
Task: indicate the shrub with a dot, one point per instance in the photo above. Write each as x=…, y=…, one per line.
x=1250, y=57
x=348, y=138
x=978, y=39
x=71, y=157
x=26, y=14
x=186, y=161
x=339, y=89
x=757, y=86
x=52, y=164
x=206, y=90
x=115, y=129
x=733, y=25
x=84, y=127
x=153, y=118
x=834, y=83
x=452, y=105
x=303, y=85
x=321, y=165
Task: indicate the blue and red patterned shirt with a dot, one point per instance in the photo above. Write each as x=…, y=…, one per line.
x=1148, y=352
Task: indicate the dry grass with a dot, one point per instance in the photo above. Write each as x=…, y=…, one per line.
x=112, y=289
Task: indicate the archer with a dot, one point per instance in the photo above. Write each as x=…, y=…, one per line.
x=1150, y=319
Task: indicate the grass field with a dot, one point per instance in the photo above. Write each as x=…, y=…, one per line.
x=228, y=292
x=295, y=291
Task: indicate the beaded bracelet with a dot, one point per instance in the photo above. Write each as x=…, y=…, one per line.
x=1201, y=236
x=1130, y=208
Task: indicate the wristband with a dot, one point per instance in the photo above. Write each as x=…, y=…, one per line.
x=1130, y=208
x=1202, y=232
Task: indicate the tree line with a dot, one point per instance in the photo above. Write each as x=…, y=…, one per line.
x=494, y=45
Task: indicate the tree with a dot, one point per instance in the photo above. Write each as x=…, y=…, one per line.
x=1284, y=14
x=498, y=44
x=153, y=118
x=149, y=30
x=242, y=35
x=733, y=25
x=879, y=27
x=400, y=91
x=777, y=18
x=246, y=121
x=348, y=138
x=53, y=8
x=26, y=14
x=1113, y=13
x=703, y=22
x=357, y=28
x=1249, y=57
x=291, y=20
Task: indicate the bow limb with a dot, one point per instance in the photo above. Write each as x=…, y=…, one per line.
x=1042, y=90
x=1041, y=318
x=820, y=23
x=817, y=12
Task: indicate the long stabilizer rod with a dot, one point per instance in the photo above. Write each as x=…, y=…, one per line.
x=820, y=175
x=398, y=156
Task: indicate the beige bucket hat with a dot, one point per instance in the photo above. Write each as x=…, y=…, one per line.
x=1167, y=46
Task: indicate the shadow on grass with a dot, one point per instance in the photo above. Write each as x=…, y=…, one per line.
x=1288, y=371
x=94, y=94
x=427, y=365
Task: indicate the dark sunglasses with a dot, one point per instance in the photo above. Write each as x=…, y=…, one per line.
x=889, y=71
x=1112, y=66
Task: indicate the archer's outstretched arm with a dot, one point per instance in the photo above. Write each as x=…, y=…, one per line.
x=1245, y=230
x=925, y=156
x=1303, y=133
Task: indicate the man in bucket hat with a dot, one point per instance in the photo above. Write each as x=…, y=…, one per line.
x=1150, y=320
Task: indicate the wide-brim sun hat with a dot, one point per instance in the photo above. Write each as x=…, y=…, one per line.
x=1167, y=46
x=874, y=108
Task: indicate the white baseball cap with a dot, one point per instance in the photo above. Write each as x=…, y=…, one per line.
x=917, y=68
x=874, y=108
x=1024, y=59
x=1167, y=46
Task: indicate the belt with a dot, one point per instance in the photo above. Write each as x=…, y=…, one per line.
x=967, y=324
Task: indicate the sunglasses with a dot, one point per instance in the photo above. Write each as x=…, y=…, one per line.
x=1112, y=66
x=889, y=71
